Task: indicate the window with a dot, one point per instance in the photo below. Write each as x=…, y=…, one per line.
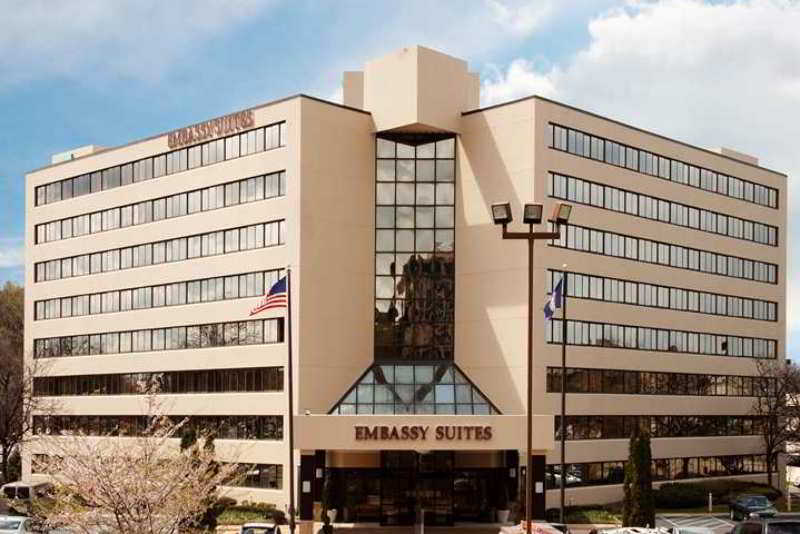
x=626, y=336
x=586, y=192
x=163, y=164
x=169, y=382
x=222, y=242
x=576, y=142
x=255, y=332
x=415, y=206
x=653, y=383
x=665, y=254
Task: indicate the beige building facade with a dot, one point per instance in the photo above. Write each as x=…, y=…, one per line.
x=408, y=309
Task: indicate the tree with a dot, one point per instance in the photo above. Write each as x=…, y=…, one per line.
x=17, y=402
x=144, y=484
x=776, y=392
x=638, y=507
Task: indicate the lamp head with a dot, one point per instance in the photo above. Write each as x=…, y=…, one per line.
x=532, y=214
x=501, y=213
x=561, y=213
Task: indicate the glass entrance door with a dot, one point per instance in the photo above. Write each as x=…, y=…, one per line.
x=411, y=482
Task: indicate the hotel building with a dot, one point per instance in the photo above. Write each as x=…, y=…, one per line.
x=408, y=309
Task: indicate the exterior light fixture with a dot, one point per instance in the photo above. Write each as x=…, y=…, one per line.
x=561, y=213
x=532, y=214
x=501, y=213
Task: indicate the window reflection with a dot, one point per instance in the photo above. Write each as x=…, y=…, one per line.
x=604, y=473
x=414, y=241
x=422, y=389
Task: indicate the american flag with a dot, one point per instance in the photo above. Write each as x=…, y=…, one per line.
x=275, y=298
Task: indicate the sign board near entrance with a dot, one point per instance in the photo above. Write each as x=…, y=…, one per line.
x=422, y=432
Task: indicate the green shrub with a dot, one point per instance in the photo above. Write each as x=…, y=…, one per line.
x=677, y=495
x=638, y=505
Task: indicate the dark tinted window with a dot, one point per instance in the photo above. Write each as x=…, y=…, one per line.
x=784, y=527
x=750, y=528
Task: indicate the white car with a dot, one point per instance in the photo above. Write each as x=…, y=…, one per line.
x=15, y=524
x=260, y=528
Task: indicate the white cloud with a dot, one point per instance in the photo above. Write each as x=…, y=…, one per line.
x=520, y=17
x=520, y=79
x=12, y=253
x=134, y=38
x=723, y=74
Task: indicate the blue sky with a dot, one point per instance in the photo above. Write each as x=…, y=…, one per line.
x=83, y=72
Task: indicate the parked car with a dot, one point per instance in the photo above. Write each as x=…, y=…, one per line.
x=25, y=491
x=15, y=524
x=690, y=530
x=751, y=506
x=260, y=528
x=537, y=527
x=768, y=526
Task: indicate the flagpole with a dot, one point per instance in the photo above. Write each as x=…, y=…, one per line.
x=563, y=391
x=290, y=380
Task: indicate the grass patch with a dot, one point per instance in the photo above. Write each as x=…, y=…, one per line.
x=597, y=515
x=233, y=516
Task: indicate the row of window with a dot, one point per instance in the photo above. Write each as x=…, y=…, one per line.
x=612, y=198
x=259, y=476
x=589, y=286
x=254, y=332
x=648, y=251
x=597, y=334
x=177, y=205
x=220, y=426
x=613, y=153
x=658, y=426
x=174, y=294
x=624, y=382
x=234, y=146
x=604, y=473
x=178, y=249
x=251, y=379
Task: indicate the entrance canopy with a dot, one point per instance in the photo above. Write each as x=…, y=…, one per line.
x=421, y=432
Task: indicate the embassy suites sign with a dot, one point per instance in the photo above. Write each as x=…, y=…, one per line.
x=212, y=129
x=423, y=432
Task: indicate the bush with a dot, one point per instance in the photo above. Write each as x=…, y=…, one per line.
x=638, y=508
x=677, y=495
x=724, y=491
x=266, y=510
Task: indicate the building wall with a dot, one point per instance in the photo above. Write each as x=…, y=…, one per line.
x=323, y=178
x=336, y=235
x=505, y=156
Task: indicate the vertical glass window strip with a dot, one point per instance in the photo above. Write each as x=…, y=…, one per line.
x=415, y=247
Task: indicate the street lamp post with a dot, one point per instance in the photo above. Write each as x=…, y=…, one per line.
x=532, y=214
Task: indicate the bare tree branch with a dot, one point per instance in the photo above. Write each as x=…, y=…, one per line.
x=142, y=484
x=776, y=404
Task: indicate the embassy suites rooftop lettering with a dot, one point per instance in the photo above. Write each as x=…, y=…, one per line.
x=422, y=432
x=211, y=129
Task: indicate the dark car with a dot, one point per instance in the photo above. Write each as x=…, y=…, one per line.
x=769, y=526
x=751, y=506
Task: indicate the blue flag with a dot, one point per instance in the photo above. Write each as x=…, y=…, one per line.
x=555, y=300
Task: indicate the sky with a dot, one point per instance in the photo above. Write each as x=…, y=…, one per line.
x=78, y=72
